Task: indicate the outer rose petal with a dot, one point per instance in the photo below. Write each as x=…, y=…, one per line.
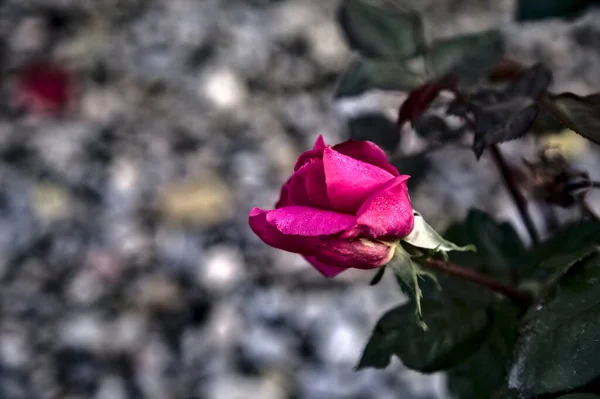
x=350, y=181
x=386, y=213
x=316, y=152
x=368, y=152
x=273, y=237
x=306, y=221
x=357, y=253
x=284, y=196
x=312, y=178
x=326, y=270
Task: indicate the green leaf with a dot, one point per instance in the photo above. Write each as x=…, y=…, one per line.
x=564, y=260
x=484, y=373
x=571, y=242
x=580, y=114
x=579, y=396
x=468, y=57
x=381, y=33
x=558, y=347
x=533, y=10
x=378, y=276
x=498, y=244
x=376, y=128
x=434, y=128
x=364, y=74
x=455, y=332
x=424, y=236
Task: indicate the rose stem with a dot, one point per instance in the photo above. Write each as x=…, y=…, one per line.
x=480, y=279
x=514, y=192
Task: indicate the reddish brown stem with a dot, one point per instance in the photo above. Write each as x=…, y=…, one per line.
x=480, y=279
x=516, y=195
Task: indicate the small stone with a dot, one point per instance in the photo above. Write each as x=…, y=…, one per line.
x=158, y=294
x=84, y=331
x=85, y=288
x=224, y=89
x=221, y=269
x=30, y=35
x=14, y=349
x=111, y=388
x=238, y=387
x=128, y=332
x=328, y=46
x=206, y=201
x=51, y=202
x=338, y=343
x=153, y=363
x=103, y=105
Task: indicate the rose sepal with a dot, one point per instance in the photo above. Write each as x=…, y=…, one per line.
x=407, y=266
x=425, y=237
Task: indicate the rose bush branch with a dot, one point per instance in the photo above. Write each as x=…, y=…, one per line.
x=516, y=195
x=521, y=297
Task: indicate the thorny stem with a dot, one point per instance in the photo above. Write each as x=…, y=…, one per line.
x=582, y=184
x=481, y=279
x=514, y=193
x=510, y=184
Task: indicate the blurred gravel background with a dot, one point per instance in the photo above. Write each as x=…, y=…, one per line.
x=127, y=269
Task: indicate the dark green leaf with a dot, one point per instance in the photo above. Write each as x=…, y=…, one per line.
x=579, y=396
x=546, y=123
x=494, y=126
x=376, y=128
x=580, y=114
x=469, y=57
x=378, y=276
x=381, y=33
x=566, y=247
x=531, y=83
x=564, y=260
x=484, y=373
x=434, y=128
x=533, y=10
x=570, y=239
x=498, y=243
x=364, y=74
x=558, y=347
x=455, y=332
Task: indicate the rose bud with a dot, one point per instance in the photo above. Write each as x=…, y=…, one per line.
x=44, y=87
x=343, y=207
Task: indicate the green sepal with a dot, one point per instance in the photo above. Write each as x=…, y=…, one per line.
x=409, y=272
x=425, y=237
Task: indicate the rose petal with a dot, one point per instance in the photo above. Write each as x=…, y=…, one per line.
x=273, y=237
x=368, y=152
x=312, y=178
x=350, y=181
x=297, y=194
x=306, y=187
x=357, y=253
x=284, y=195
x=387, y=213
x=326, y=270
x=306, y=221
x=316, y=152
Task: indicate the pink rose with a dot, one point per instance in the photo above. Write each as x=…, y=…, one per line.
x=344, y=207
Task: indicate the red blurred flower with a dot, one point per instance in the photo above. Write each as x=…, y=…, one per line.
x=44, y=87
